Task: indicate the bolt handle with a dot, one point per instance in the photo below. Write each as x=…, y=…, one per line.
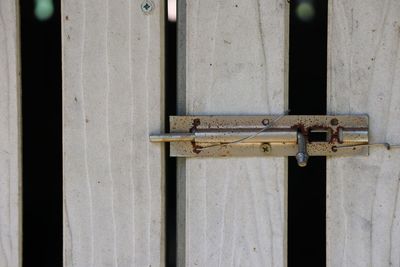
x=302, y=155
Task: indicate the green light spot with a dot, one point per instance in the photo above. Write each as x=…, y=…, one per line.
x=305, y=11
x=44, y=9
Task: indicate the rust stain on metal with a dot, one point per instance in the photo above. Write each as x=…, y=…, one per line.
x=333, y=131
x=335, y=136
x=300, y=127
x=196, y=148
x=196, y=122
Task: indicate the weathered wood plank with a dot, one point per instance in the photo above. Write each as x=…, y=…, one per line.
x=181, y=110
x=363, y=209
x=235, y=64
x=10, y=137
x=113, y=99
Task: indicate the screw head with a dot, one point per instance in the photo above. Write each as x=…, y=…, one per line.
x=147, y=6
x=265, y=122
x=265, y=148
x=334, y=122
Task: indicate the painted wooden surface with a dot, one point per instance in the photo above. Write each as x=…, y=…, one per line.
x=235, y=64
x=113, y=100
x=10, y=145
x=363, y=209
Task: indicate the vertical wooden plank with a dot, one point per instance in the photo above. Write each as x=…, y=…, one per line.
x=363, y=209
x=181, y=110
x=235, y=64
x=113, y=99
x=10, y=137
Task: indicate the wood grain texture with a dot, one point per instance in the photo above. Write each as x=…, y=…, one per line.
x=363, y=209
x=10, y=136
x=235, y=211
x=112, y=100
x=181, y=110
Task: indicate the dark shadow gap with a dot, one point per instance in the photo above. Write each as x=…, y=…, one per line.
x=307, y=96
x=42, y=136
x=170, y=162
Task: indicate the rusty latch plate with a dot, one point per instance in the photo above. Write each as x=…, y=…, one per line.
x=222, y=136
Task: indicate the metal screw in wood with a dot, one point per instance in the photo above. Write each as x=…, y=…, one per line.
x=266, y=148
x=147, y=6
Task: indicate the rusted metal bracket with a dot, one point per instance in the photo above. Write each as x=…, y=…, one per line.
x=286, y=135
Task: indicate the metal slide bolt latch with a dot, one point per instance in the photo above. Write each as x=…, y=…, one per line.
x=271, y=135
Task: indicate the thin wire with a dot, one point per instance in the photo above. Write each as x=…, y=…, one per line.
x=386, y=145
x=269, y=125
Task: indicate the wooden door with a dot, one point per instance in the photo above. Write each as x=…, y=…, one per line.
x=234, y=64
x=112, y=101
x=232, y=60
